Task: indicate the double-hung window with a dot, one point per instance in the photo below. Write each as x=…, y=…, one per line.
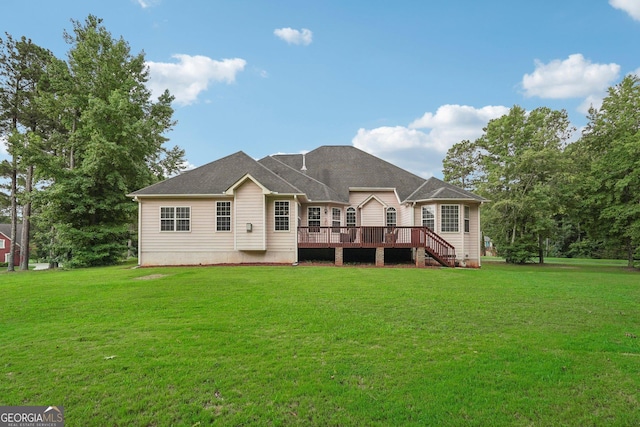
x=449, y=218
x=174, y=218
x=467, y=219
x=281, y=215
x=313, y=218
x=429, y=217
x=223, y=216
x=336, y=219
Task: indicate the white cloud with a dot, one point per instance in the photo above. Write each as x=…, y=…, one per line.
x=291, y=36
x=632, y=7
x=590, y=101
x=3, y=146
x=422, y=151
x=575, y=77
x=191, y=75
x=147, y=3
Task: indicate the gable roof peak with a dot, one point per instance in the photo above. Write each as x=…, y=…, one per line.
x=216, y=177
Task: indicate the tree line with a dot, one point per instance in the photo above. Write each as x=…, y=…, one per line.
x=81, y=133
x=551, y=195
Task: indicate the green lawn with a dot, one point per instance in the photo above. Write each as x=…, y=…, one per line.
x=501, y=346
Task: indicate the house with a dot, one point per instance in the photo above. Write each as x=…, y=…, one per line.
x=239, y=210
x=5, y=243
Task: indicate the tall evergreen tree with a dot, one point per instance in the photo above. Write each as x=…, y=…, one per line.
x=111, y=144
x=22, y=65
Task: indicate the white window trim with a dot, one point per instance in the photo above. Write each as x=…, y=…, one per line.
x=336, y=228
x=319, y=218
x=355, y=217
x=230, y=216
x=288, y=230
x=386, y=216
x=428, y=208
x=174, y=220
x=442, y=219
x=2, y=244
x=466, y=218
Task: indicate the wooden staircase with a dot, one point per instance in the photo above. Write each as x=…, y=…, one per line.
x=439, y=249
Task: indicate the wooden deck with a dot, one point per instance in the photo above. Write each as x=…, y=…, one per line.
x=378, y=237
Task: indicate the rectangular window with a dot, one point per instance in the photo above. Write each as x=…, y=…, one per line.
x=313, y=219
x=281, y=214
x=167, y=219
x=467, y=219
x=429, y=217
x=223, y=216
x=336, y=219
x=183, y=219
x=175, y=218
x=449, y=219
x=1, y=243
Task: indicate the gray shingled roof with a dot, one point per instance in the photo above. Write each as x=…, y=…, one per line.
x=6, y=230
x=435, y=189
x=330, y=172
x=315, y=190
x=343, y=166
x=216, y=177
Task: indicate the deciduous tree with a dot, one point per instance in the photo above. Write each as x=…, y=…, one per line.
x=611, y=182
x=520, y=158
x=461, y=165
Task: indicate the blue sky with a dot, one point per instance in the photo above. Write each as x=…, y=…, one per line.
x=403, y=80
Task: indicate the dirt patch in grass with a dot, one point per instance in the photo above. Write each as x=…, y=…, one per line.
x=151, y=277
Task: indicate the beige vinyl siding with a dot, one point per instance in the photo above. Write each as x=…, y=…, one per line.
x=373, y=212
x=250, y=209
x=465, y=243
x=387, y=197
x=472, y=238
x=405, y=216
x=281, y=241
x=203, y=245
x=174, y=246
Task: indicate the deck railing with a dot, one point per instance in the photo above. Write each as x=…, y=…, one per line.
x=379, y=236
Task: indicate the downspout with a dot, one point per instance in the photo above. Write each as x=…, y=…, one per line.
x=139, y=230
x=480, y=240
x=463, y=238
x=413, y=214
x=413, y=224
x=295, y=234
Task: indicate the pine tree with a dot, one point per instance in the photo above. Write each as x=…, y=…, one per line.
x=111, y=143
x=22, y=65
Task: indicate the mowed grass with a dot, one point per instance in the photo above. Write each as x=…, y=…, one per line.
x=500, y=346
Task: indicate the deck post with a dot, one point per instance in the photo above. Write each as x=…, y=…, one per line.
x=420, y=256
x=379, y=256
x=339, y=256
